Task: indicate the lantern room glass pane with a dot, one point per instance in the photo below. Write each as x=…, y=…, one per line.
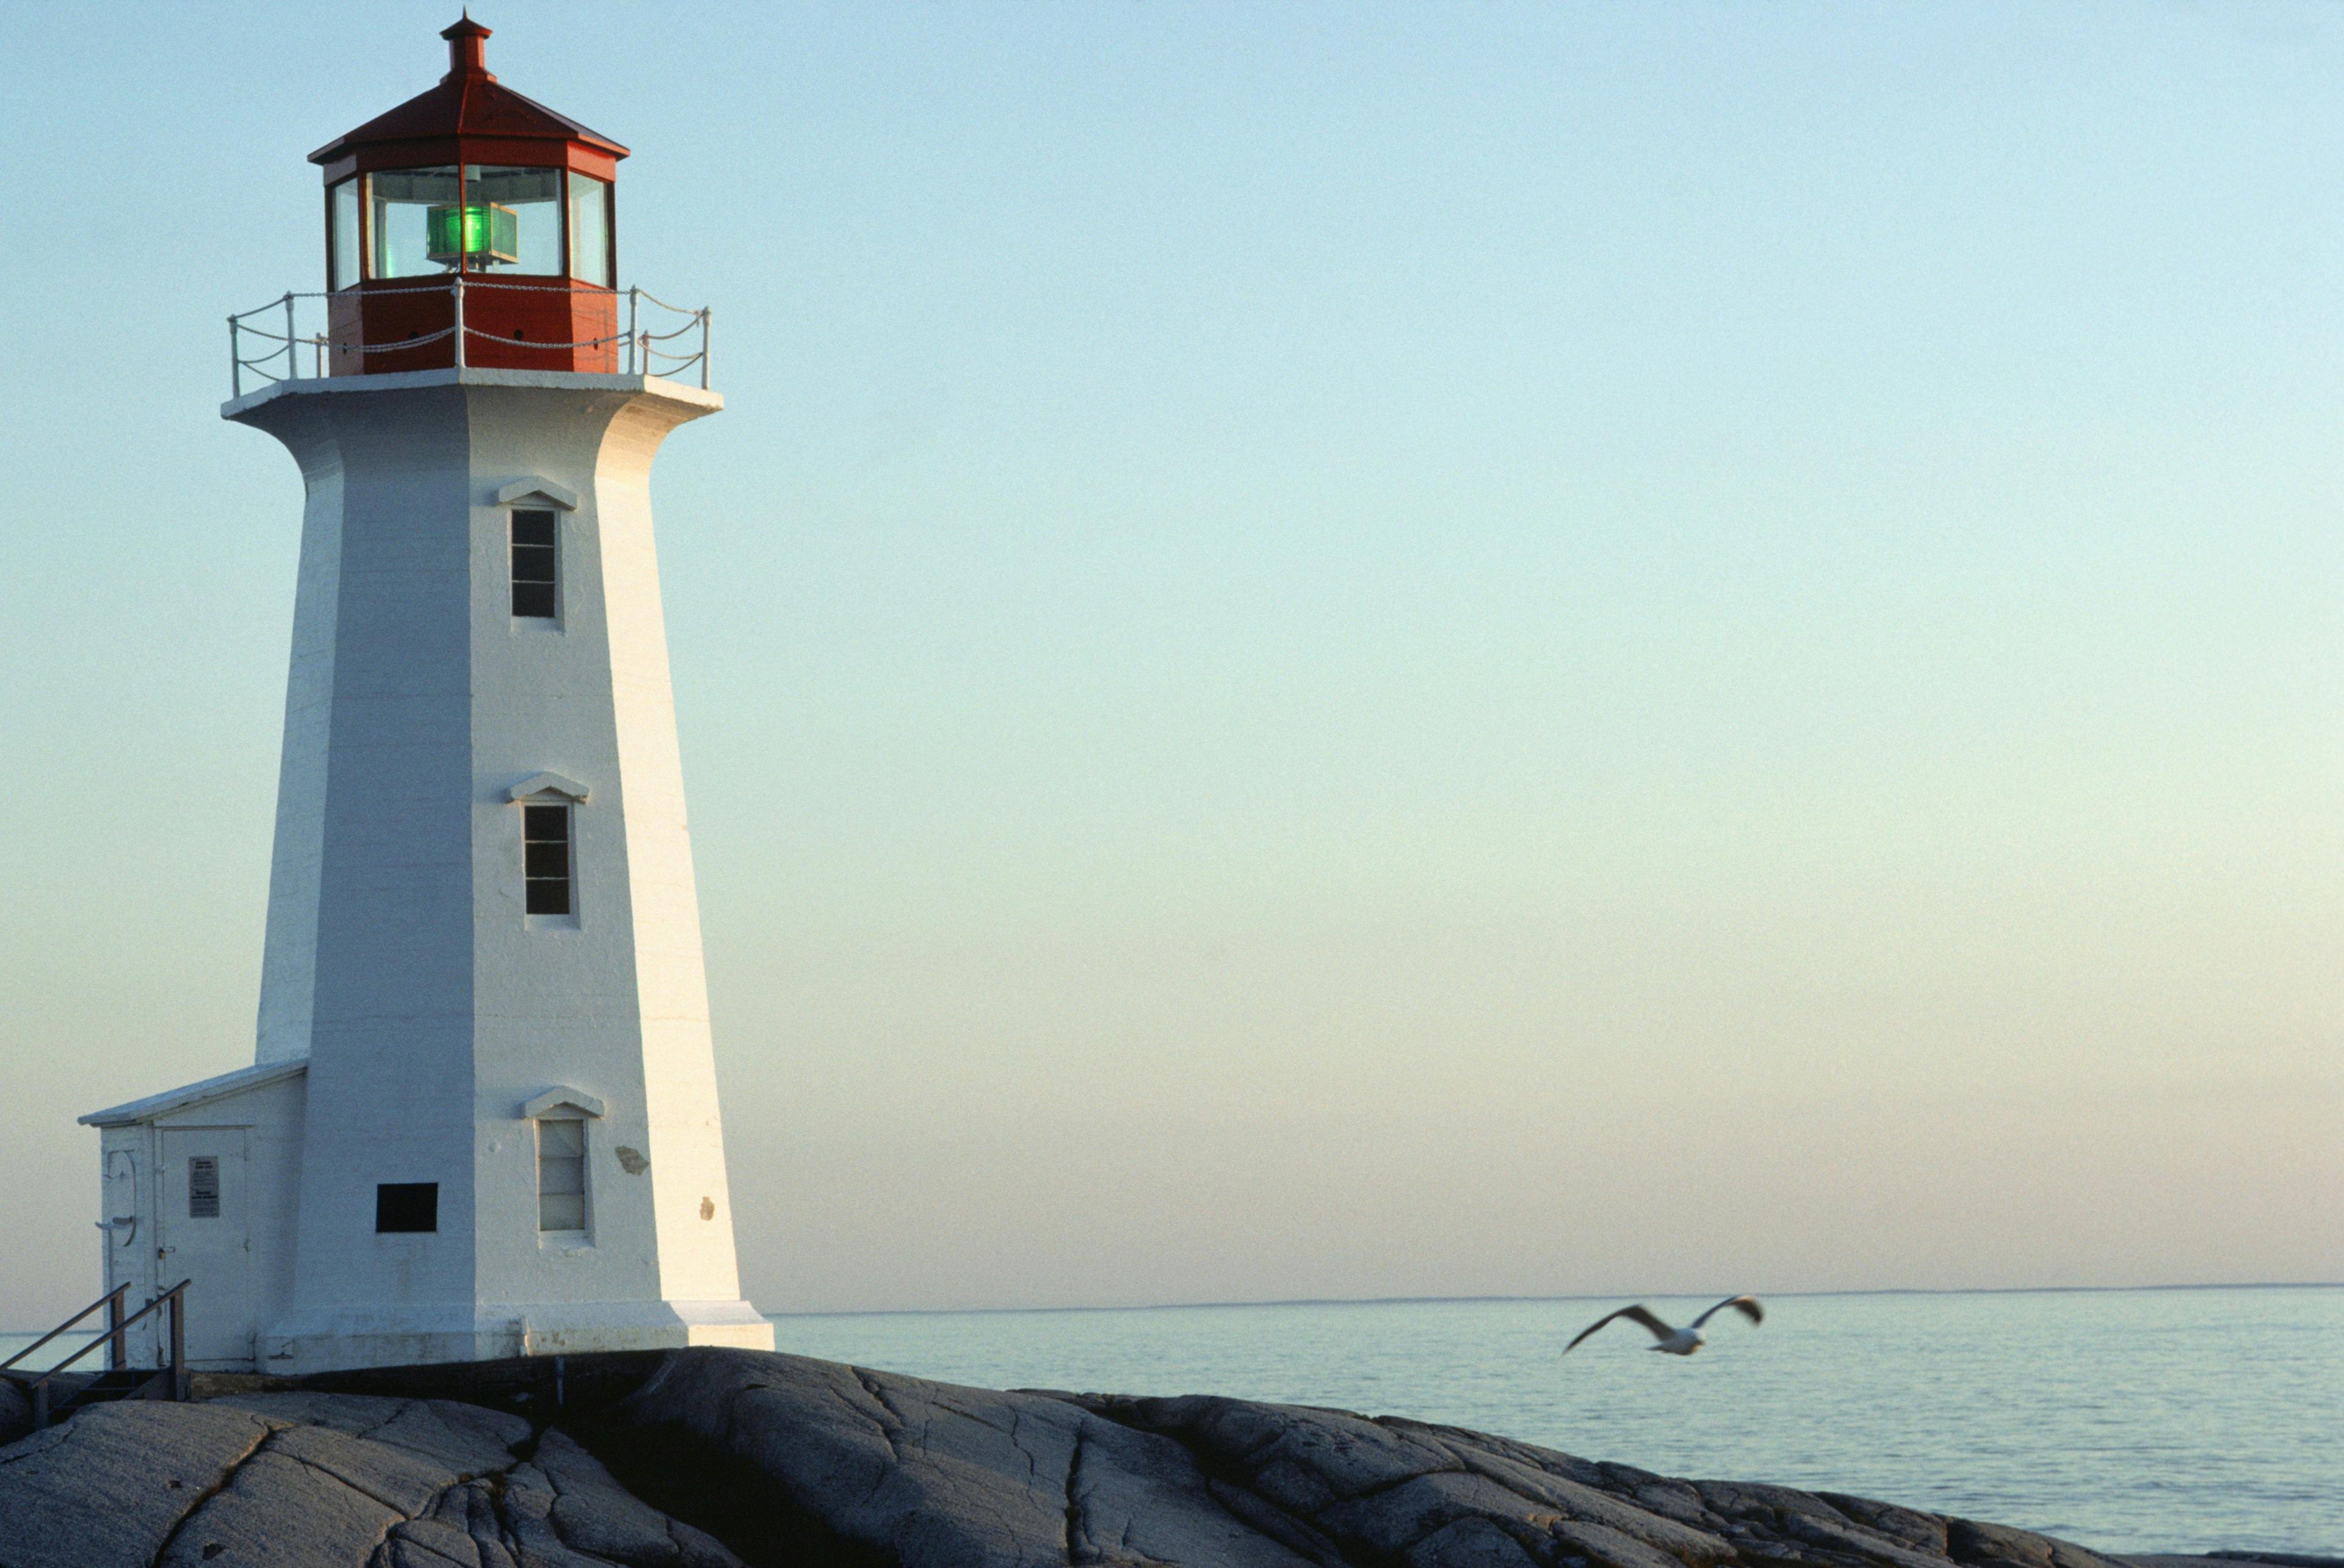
x=342, y=237
x=403, y=202
x=516, y=214
x=589, y=230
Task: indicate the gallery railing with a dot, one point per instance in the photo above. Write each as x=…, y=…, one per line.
x=281, y=355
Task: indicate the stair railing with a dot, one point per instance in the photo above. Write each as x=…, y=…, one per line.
x=111, y=1337
x=172, y=1377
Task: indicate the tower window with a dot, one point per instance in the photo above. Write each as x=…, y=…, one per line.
x=203, y=1187
x=405, y=1207
x=535, y=562
x=560, y=1175
x=545, y=850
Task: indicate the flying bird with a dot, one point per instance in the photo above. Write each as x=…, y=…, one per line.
x=1675, y=1342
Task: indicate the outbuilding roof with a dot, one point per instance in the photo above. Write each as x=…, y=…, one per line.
x=196, y=1094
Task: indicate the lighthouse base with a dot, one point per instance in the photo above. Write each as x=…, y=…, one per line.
x=333, y=1339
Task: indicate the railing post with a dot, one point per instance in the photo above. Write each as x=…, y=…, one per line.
x=116, y=1344
x=460, y=315
x=234, y=363
x=40, y=1407
x=292, y=365
x=705, y=311
x=634, y=297
x=180, y=1384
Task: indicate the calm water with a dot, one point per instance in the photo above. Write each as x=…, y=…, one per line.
x=2141, y=1421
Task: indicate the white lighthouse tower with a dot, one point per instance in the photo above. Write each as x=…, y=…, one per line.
x=482, y=1121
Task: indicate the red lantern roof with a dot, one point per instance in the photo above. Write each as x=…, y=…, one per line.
x=469, y=118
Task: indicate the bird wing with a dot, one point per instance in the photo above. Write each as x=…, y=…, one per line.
x=1746, y=1305
x=1637, y=1313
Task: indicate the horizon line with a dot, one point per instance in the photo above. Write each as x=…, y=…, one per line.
x=1467, y=1300
x=1573, y=1296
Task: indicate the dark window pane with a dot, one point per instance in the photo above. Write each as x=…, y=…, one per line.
x=406, y=1206
x=535, y=567
x=545, y=850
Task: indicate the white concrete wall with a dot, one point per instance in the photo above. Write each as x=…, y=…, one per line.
x=434, y=1007
x=289, y=964
x=388, y=914
x=692, y=1200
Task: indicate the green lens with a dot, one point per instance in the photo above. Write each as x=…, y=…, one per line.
x=490, y=231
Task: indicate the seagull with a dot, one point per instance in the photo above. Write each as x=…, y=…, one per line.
x=1675, y=1342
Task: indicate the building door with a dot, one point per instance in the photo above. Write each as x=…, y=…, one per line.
x=203, y=1235
x=129, y=1231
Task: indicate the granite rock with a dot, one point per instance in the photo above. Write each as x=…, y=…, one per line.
x=323, y=1479
x=776, y=1459
x=871, y=1467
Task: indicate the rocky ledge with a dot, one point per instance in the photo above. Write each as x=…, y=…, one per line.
x=705, y=1459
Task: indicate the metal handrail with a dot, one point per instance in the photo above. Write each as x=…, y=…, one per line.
x=175, y=1369
x=112, y=1302
x=277, y=359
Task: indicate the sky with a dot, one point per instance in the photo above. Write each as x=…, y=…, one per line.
x=1326, y=650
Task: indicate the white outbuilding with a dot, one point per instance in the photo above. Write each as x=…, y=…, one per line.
x=482, y=1121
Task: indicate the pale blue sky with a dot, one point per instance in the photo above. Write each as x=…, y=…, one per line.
x=1327, y=649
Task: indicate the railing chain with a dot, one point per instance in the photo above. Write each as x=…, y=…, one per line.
x=278, y=359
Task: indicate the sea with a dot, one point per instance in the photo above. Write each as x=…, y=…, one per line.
x=2129, y=1420
x=2156, y=1420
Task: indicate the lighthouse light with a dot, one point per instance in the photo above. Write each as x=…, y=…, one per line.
x=481, y=231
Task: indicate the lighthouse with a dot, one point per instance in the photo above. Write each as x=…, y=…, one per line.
x=481, y=1119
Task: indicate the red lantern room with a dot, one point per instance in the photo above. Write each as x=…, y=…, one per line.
x=470, y=204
